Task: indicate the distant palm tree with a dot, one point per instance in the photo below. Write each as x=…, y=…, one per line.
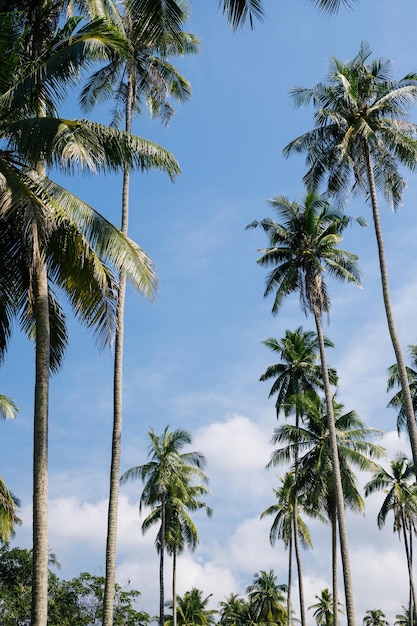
x=302, y=246
x=169, y=473
x=267, y=599
x=375, y=617
x=361, y=138
x=315, y=475
x=400, y=488
x=192, y=609
x=283, y=528
x=396, y=401
x=233, y=611
x=324, y=608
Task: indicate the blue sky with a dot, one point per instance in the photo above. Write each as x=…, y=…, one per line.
x=194, y=357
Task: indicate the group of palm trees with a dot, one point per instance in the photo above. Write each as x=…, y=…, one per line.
x=361, y=139
x=52, y=242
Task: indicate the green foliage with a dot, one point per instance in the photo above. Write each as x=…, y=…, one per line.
x=77, y=602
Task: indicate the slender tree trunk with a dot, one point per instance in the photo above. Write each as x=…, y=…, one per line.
x=334, y=569
x=410, y=569
x=111, y=542
x=174, y=587
x=289, y=620
x=296, y=538
x=402, y=371
x=40, y=438
x=300, y=573
x=161, y=566
x=344, y=549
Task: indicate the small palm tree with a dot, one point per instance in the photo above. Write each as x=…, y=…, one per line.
x=233, y=611
x=302, y=246
x=401, y=499
x=267, y=599
x=285, y=529
x=192, y=609
x=169, y=473
x=375, y=617
x=324, y=608
x=396, y=401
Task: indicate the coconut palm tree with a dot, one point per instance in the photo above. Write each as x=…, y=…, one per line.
x=396, y=401
x=302, y=246
x=283, y=528
x=8, y=408
x=267, y=599
x=192, y=609
x=49, y=237
x=169, y=472
x=324, y=608
x=375, y=617
x=400, y=488
x=180, y=530
x=8, y=512
x=315, y=473
x=362, y=137
x=233, y=611
x=299, y=369
x=144, y=74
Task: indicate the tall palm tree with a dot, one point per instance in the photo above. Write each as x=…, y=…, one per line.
x=298, y=372
x=324, y=608
x=396, y=401
x=267, y=599
x=400, y=488
x=169, y=472
x=285, y=529
x=49, y=237
x=315, y=473
x=362, y=137
x=302, y=246
x=375, y=617
x=145, y=73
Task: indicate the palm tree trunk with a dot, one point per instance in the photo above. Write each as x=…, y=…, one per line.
x=402, y=372
x=40, y=438
x=174, y=587
x=300, y=572
x=410, y=569
x=111, y=542
x=344, y=549
x=161, y=565
x=334, y=569
x=289, y=580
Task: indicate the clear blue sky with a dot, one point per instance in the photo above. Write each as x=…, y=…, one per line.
x=193, y=358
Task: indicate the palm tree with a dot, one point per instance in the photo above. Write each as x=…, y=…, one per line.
x=284, y=529
x=180, y=530
x=324, y=608
x=266, y=599
x=315, y=472
x=8, y=512
x=362, y=136
x=192, y=609
x=49, y=237
x=375, y=617
x=396, y=401
x=302, y=245
x=233, y=611
x=298, y=370
x=403, y=619
x=169, y=472
x=144, y=73
x=401, y=499
x=297, y=373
